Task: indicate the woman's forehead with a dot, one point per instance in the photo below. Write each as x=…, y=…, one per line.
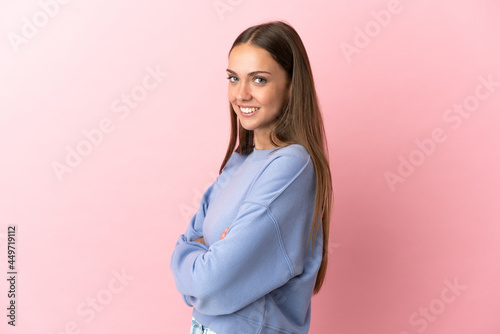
x=247, y=58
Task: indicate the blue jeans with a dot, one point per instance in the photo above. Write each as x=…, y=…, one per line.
x=197, y=328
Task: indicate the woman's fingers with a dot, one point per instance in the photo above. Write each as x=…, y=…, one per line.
x=224, y=233
x=200, y=240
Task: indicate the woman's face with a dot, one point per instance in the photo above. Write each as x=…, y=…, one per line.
x=258, y=89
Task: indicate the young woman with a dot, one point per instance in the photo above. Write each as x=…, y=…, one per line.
x=257, y=249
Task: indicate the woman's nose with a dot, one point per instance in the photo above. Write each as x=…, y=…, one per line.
x=243, y=92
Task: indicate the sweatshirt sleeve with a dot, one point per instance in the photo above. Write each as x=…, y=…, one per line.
x=195, y=226
x=264, y=247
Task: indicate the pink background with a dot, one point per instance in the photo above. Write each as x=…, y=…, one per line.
x=395, y=247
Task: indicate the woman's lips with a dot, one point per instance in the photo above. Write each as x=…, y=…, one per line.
x=248, y=111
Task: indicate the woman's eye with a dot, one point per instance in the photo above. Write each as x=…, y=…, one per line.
x=232, y=78
x=260, y=80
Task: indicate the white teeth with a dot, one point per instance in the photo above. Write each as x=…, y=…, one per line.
x=248, y=110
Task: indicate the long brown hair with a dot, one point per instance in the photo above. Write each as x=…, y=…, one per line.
x=300, y=121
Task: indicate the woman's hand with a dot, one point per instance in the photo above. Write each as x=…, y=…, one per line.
x=202, y=241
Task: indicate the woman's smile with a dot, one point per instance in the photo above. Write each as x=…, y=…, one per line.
x=248, y=111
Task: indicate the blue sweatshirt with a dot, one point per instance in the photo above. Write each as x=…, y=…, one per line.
x=259, y=278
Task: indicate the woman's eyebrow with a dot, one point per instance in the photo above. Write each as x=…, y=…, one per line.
x=251, y=73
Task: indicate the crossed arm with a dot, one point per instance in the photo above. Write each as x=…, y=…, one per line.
x=201, y=272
